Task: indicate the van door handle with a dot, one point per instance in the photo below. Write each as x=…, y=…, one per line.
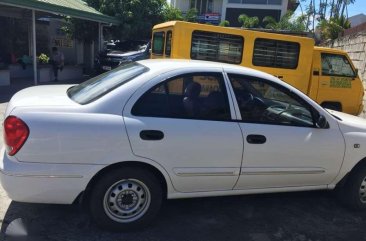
x=151, y=135
x=256, y=139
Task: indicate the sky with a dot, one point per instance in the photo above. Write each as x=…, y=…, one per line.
x=353, y=9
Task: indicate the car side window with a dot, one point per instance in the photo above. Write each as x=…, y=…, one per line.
x=191, y=96
x=263, y=102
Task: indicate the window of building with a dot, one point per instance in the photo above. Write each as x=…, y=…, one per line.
x=263, y=102
x=168, y=44
x=276, y=53
x=158, y=43
x=336, y=65
x=264, y=2
x=202, y=6
x=275, y=2
x=219, y=47
x=192, y=96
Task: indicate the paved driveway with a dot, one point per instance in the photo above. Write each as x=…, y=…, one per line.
x=306, y=216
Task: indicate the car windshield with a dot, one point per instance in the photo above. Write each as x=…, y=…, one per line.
x=98, y=86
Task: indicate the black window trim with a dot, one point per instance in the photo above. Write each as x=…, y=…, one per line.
x=338, y=75
x=276, y=40
x=166, y=43
x=220, y=75
x=290, y=93
x=228, y=62
x=163, y=42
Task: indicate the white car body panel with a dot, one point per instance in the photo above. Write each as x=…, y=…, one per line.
x=70, y=143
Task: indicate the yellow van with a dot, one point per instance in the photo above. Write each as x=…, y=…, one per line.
x=324, y=74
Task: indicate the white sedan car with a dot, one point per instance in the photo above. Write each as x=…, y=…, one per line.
x=156, y=129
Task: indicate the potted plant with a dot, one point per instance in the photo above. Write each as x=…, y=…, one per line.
x=44, y=69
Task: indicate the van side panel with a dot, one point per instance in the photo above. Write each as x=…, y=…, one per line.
x=314, y=76
x=298, y=77
x=306, y=76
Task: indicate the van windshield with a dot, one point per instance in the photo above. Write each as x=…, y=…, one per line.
x=100, y=85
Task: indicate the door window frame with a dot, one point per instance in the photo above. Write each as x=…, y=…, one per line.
x=314, y=113
x=224, y=85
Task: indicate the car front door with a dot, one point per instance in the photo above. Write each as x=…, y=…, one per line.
x=282, y=145
x=184, y=123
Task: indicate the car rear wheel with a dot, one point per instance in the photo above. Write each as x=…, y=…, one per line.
x=353, y=193
x=125, y=199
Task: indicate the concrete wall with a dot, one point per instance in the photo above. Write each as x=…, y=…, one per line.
x=355, y=46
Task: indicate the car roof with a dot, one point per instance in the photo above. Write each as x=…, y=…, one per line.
x=166, y=65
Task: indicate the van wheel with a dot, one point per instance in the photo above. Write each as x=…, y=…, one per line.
x=353, y=193
x=125, y=199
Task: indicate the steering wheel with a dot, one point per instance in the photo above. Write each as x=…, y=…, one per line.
x=290, y=110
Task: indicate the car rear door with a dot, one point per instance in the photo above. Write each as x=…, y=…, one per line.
x=183, y=122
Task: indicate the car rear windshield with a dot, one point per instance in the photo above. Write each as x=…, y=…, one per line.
x=98, y=86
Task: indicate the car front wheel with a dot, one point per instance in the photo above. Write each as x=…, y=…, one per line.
x=353, y=193
x=125, y=198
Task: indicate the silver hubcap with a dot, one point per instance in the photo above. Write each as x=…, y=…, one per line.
x=127, y=200
x=363, y=191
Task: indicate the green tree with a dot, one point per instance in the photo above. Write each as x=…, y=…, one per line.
x=331, y=28
x=287, y=22
x=171, y=13
x=224, y=23
x=191, y=15
x=248, y=22
x=82, y=30
x=137, y=16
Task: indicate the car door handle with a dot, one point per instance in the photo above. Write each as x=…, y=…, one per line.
x=151, y=135
x=256, y=139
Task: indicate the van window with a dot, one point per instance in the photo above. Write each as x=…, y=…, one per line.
x=336, y=65
x=158, y=43
x=219, y=47
x=168, y=44
x=276, y=53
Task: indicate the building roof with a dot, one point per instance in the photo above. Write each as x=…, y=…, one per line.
x=73, y=8
x=357, y=19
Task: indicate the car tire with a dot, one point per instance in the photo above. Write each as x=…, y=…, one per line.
x=353, y=192
x=125, y=199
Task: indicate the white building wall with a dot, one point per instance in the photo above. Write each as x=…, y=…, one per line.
x=184, y=5
x=226, y=5
x=220, y=6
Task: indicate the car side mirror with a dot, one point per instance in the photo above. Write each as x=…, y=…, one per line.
x=356, y=73
x=322, y=122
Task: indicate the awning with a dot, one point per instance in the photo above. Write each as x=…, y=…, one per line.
x=72, y=8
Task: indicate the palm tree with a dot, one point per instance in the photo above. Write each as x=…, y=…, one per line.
x=287, y=22
x=331, y=28
x=248, y=22
x=224, y=23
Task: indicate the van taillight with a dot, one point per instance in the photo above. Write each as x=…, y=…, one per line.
x=16, y=133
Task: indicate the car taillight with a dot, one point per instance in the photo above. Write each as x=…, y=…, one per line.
x=16, y=133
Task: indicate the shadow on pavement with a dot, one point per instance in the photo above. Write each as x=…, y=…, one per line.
x=293, y=216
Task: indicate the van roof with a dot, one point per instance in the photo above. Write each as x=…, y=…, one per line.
x=235, y=30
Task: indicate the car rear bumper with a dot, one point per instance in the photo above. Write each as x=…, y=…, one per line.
x=44, y=183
